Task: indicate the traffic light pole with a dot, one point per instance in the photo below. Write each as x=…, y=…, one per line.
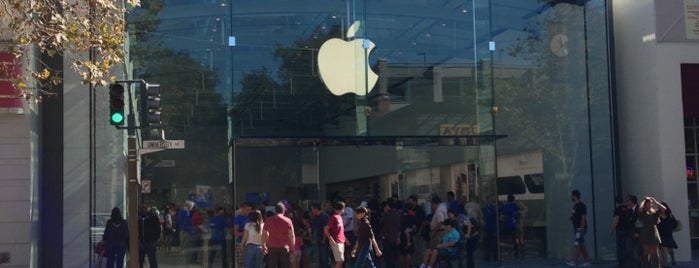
x=132, y=177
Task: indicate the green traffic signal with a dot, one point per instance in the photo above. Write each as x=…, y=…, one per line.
x=117, y=118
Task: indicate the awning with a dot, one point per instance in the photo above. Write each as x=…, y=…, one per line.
x=10, y=68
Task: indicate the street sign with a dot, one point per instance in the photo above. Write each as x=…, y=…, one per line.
x=165, y=163
x=145, y=186
x=163, y=144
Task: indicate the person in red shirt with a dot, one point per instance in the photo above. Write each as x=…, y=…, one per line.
x=335, y=232
x=279, y=234
x=196, y=239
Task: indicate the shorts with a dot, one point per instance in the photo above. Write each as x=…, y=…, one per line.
x=579, y=238
x=443, y=252
x=338, y=250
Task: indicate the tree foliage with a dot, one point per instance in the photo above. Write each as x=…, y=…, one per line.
x=294, y=101
x=89, y=34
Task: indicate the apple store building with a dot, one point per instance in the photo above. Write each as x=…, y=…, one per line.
x=368, y=100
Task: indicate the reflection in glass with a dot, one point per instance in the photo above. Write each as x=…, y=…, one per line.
x=689, y=140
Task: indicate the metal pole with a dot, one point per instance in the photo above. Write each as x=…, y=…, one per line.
x=132, y=201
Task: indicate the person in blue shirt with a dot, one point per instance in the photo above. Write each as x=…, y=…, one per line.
x=448, y=246
x=217, y=225
x=238, y=229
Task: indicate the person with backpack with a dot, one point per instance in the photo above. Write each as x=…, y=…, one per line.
x=668, y=224
x=116, y=239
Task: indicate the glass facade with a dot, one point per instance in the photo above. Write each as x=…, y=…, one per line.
x=691, y=134
x=307, y=101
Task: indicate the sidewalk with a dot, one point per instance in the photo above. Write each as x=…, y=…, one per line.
x=175, y=260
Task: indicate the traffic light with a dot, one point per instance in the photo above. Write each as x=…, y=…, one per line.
x=151, y=106
x=116, y=104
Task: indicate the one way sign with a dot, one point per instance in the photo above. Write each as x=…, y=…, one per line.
x=163, y=144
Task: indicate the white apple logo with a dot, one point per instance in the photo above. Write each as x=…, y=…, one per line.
x=343, y=64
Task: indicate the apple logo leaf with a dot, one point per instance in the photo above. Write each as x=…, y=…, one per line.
x=353, y=29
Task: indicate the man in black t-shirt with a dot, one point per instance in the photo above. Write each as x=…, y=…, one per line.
x=623, y=228
x=579, y=219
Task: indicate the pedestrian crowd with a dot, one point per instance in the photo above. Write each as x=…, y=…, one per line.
x=394, y=233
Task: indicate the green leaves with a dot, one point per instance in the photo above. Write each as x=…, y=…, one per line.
x=69, y=29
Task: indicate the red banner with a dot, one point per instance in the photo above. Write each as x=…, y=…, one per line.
x=10, y=68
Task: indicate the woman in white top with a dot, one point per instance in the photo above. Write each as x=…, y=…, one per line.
x=253, y=241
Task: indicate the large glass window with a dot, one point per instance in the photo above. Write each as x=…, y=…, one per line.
x=312, y=101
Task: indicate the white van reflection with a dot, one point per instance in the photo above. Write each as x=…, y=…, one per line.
x=528, y=191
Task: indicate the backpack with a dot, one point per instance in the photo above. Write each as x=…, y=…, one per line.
x=512, y=219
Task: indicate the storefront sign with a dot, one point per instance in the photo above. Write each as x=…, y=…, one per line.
x=691, y=19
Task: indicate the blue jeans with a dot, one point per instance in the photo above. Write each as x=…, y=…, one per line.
x=253, y=256
x=363, y=257
x=216, y=246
